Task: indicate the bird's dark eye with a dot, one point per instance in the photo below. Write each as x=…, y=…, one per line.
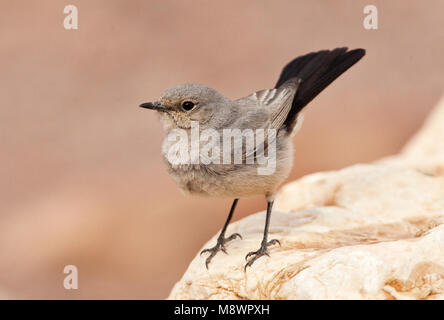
x=188, y=105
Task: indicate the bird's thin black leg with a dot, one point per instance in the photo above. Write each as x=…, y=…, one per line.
x=221, y=240
x=265, y=243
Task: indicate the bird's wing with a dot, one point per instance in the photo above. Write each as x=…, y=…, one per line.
x=276, y=101
x=300, y=81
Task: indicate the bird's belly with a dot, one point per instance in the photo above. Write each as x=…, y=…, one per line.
x=234, y=180
x=227, y=181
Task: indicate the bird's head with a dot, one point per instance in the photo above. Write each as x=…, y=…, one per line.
x=180, y=105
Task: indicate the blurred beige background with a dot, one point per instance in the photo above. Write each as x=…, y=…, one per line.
x=82, y=181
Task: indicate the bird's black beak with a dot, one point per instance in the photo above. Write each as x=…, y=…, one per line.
x=154, y=106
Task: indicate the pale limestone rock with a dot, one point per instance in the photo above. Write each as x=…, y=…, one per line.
x=365, y=232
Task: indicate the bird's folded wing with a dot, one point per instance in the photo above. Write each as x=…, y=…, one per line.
x=278, y=101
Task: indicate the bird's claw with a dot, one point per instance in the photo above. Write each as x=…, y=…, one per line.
x=263, y=251
x=220, y=246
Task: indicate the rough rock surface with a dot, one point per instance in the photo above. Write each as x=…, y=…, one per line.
x=372, y=231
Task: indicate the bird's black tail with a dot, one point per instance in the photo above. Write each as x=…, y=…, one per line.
x=316, y=70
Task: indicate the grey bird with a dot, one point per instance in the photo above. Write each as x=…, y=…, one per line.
x=301, y=80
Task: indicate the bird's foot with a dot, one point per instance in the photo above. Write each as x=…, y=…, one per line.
x=263, y=250
x=220, y=246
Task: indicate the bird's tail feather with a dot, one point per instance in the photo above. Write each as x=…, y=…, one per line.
x=316, y=70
